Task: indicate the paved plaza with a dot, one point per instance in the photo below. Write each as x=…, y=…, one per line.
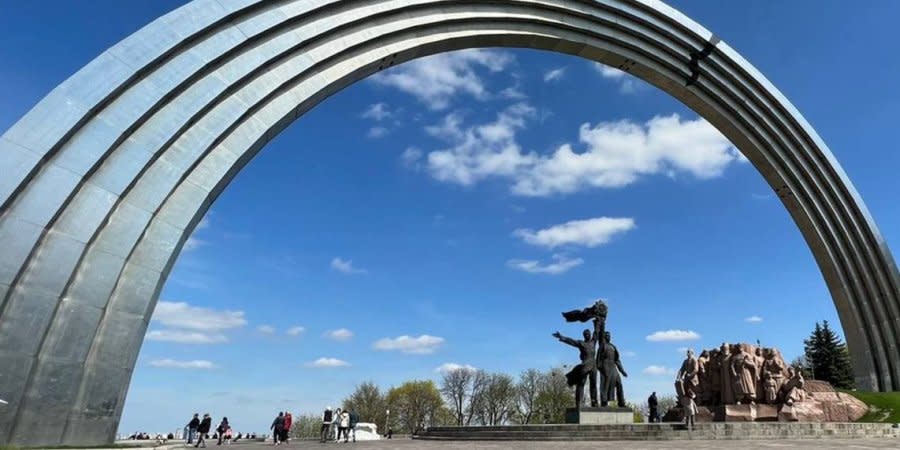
x=408, y=444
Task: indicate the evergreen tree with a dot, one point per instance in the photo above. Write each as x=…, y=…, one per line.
x=828, y=357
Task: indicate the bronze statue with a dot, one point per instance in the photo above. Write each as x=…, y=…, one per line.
x=610, y=366
x=587, y=351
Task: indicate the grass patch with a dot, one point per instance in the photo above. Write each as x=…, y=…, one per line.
x=884, y=407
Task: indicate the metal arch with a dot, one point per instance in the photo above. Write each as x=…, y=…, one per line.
x=107, y=176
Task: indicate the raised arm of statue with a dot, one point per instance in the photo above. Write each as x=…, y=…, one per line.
x=565, y=340
x=599, y=326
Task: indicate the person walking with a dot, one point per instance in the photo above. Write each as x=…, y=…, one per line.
x=220, y=430
x=354, y=420
x=277, y=428
x=336, y=425
x=653, y=403
x=325, y=431
x=288, y=420
x=192, y=428
x=203, y=430
x=344, y=428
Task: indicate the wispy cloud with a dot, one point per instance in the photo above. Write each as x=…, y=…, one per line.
x=629, y=354
x=346, y=266
x=378, y=112
x=628, y=84
x=295, y=331
x=753, y=319
x=587, y=233
x=266, y=329
x=376, y=132
x=435, y=80
x=658, y=371
x=422, y=345
x=327, y=363
x=183, y=315
x=174, y=364
x=561, y=264
x=612, y=154
x=555, y=74
x=186, y=337
x=673, y=336
x=450, y=366
x=341, y=335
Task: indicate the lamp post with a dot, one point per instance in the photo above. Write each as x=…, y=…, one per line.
x=387, y=421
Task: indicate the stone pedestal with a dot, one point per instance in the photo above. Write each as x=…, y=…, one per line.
x=605, y=415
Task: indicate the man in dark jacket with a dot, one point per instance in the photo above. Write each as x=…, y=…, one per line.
x=327, y=418
x=653, y=403
x=192, y=428
x=203, y=430
x=354, y=419
x=278, y=428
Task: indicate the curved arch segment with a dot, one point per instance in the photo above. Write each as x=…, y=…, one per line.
x=107, y=176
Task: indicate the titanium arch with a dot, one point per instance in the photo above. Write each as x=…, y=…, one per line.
x=107, y=176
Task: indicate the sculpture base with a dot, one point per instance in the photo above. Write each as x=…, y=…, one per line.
x=604, y=415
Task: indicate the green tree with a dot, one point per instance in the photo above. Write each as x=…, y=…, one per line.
x=828, y=358
x=305, y=426
x=369, y=403
x=415, y=405
x=553, y=397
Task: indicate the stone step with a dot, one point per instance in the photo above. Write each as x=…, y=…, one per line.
x=707, y=431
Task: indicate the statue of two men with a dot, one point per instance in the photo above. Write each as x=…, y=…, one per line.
x=597, y=353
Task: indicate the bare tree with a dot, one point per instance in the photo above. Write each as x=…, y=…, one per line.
x=499, y=399
x=455, y=386
x=480, y=380
x=526, y=394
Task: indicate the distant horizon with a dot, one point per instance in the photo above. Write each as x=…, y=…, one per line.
x=443, y=212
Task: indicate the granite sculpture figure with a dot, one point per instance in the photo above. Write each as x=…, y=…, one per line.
x=587, y=369
x=611, y=368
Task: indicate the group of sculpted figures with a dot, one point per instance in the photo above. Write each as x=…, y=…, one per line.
x=596, y=355
x=739, y=374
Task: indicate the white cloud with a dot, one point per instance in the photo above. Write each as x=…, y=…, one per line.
x=435, y=80
x=182, y=315
x=412, y=158
x=450, y=366
x=658, y=371
x=619, y=153
x=673, y=336
x=266, y=329
x=588, y=232
x=613, y=154
x=346, y=266
x=753, y=319
x=204, y=222
x=341, y=334
x=377, y=132
x=377, y=111
x=328, y=362
x=562, y=264
x=295, y=331
x=513, y=93
x=481, y=151
x=173, y=364
x=186, y=337
x=422, y=345
x=555, y=74
x=628, y=84
x=192, y=243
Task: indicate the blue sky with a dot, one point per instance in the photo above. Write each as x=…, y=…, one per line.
x=442, y=209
